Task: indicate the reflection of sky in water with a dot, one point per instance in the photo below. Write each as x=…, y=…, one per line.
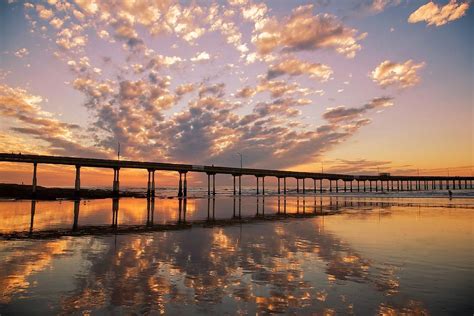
x=23, y=216
x=368, y=259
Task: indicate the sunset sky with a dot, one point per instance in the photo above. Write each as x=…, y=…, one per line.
x=356, y=86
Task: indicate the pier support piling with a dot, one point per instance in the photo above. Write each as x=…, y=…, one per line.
x=213, y=184
x=153, y=184
x=208, y=184
x=180, y=185
x=185, y=188
x=116, y=183
x=148, y=188
x=34, y=182
x=240, y=185
x=233, y=178
x=77, y=184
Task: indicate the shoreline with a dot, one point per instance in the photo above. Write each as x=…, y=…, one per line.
x=24, y=192
x=19, y=192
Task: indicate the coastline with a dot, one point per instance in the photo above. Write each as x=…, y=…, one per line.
x=23, y=192
x=9, y=191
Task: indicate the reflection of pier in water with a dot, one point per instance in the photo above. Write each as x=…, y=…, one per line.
x=270, y=208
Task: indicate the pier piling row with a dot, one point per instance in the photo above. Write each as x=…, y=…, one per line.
x=383, y=182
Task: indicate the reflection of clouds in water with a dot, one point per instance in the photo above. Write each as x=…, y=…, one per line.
x=249, y=266
x=26, y=259
x=410, y=308
x=288, y=266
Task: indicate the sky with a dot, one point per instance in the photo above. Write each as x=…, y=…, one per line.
x=349, y=86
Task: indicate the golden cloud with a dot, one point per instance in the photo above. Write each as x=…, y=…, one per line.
x=304, y=31
x=433, y=14
x=296, y=67
x=404, y=75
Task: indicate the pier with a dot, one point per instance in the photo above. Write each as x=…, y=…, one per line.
x=337, y=182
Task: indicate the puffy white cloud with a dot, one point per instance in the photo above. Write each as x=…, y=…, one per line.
x=434, y=14
x=201, y=56
x=397, y=74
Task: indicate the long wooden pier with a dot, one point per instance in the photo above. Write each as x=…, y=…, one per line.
x=351, y=183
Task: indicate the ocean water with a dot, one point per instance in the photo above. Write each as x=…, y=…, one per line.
x=312, y=254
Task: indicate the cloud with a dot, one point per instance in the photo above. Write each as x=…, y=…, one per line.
x=22, y=52
x=201, y=56
x=403, y=75
x=434, y=14
x=280, y=107
x=185, y=88
x=304, y=31
x=135, y=96
x=71, y=38
x=216, y=90
x=360, y=166
x=56, y=23
x=343, y=114
x=44, y=13
x=296, y=67
x=23, y=109
x=374, y=6
x=245, y=93
x=277, y=88
x=158, y=61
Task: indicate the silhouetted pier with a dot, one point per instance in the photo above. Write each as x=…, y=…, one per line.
x=350, y=183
